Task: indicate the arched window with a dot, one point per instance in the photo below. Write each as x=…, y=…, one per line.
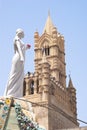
x=37, y=85
x=45, y=48
x=32, y=87
x=45, y=51
x=24, y=88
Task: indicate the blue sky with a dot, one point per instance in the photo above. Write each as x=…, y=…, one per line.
x=68, y=16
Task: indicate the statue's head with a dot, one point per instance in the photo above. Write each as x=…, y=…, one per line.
x=20, y=32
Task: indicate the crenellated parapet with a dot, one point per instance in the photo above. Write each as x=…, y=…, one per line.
x=63, y=97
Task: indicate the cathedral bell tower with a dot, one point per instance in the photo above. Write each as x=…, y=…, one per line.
x=53, y=102
x=51, y=45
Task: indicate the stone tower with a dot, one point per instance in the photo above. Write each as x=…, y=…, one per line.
x=53, y=102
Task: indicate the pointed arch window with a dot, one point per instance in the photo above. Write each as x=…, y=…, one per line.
x=46, y=49
x=32, y=87
x=24, y=88
x=37, y=85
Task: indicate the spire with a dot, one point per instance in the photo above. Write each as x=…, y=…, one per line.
x=49, y=25
x=70, y=85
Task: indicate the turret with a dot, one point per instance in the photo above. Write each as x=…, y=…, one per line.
x=72, y=93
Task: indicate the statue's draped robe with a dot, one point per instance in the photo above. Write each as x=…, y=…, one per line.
x=14, y=85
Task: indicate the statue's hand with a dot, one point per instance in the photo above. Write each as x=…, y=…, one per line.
x=28, y=46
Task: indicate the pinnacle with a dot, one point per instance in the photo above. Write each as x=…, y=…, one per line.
x=49, y=25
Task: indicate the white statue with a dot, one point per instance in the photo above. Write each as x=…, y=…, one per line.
x=14, y=86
